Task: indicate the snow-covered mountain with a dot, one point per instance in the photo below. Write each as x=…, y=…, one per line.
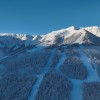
x=71, y=35
x=17, y=40
x=61, y=65
x=95, y=30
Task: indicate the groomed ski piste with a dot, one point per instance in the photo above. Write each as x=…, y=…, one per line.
x=76, y=93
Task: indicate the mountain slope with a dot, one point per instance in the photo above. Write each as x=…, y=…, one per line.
x=50, y=67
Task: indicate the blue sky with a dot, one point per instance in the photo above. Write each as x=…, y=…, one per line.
x=43, y=16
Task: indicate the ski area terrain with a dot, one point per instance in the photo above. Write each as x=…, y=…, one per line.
x=61, y=65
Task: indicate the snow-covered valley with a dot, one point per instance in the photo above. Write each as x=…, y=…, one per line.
x=61, y=65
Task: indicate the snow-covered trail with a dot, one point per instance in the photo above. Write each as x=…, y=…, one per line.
x=76, y=93
x=35, y=87
x=61, y=61
x=92, y=73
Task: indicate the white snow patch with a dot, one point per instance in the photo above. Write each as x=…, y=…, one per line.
x=76, y=93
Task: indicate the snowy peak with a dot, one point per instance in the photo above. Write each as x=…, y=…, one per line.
x=11, y=41
x=94, y=30
x=71, y=35
x=73, y=28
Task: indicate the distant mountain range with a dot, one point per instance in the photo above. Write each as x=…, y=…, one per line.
x=71, y=35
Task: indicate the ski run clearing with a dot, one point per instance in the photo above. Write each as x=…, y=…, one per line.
x=76, y=93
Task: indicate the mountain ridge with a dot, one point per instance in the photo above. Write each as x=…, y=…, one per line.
x=70, y=35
